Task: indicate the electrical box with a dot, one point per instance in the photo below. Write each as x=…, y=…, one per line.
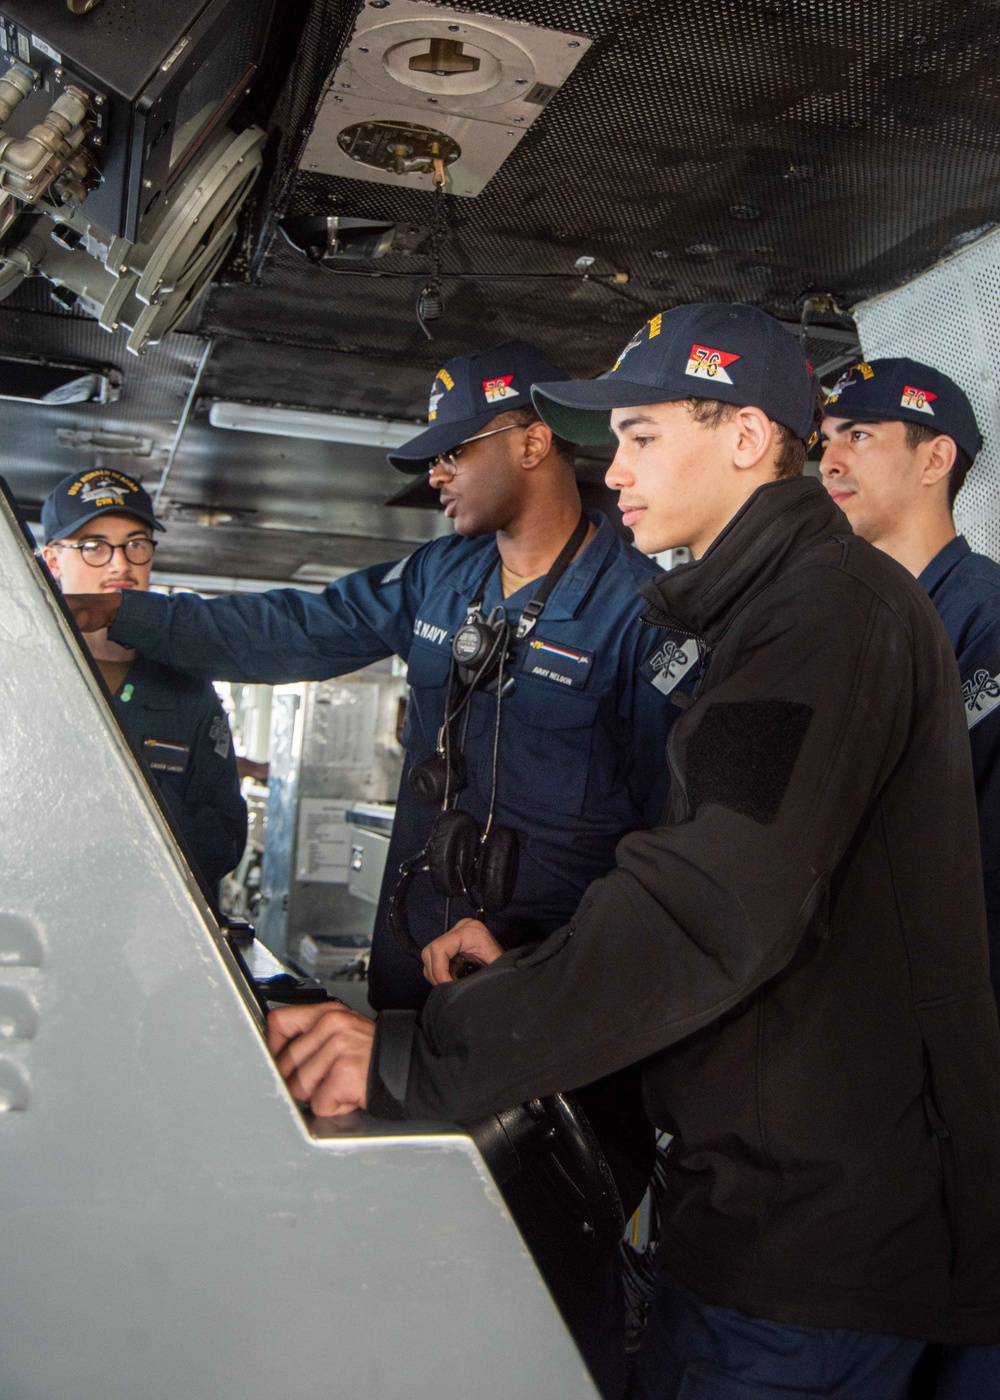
x=419, y=82
x=161, y=78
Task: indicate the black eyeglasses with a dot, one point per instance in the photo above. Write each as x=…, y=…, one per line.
x=447, y=462
x=97, y=553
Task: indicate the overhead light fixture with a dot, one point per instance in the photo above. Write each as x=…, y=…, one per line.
x=316, y=427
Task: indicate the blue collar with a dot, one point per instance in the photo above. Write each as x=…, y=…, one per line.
x=943, y=562
x=571, y=589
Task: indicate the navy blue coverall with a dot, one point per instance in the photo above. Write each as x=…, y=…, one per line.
x=965, y=589
x=182, y=732
x=582, y=735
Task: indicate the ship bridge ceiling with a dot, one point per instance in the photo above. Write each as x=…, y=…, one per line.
x=800, y=155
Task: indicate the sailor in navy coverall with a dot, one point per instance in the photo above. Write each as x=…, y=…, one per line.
x=98, y=528
x=965, y=589
x=182, y=732
x=582, y=733
x=900, y=438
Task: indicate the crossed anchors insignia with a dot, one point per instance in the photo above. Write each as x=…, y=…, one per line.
x=672, y=655
x=980, y=687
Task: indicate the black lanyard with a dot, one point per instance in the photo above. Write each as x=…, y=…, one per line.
x=532, y=610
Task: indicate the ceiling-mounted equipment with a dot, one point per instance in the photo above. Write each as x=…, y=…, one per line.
x=134, y=92
x=119, y=180
x=415, y=73
x=333, y=237
x=398, y=146
x=145, y=287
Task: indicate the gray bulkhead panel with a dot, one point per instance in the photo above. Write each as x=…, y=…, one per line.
x=171, y=1226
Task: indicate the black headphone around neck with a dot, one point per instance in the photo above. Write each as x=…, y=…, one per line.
x=461, y=860
x=479, y=648
x=460, y=856
x=480, y=645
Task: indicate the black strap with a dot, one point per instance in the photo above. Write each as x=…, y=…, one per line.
x=532, y=610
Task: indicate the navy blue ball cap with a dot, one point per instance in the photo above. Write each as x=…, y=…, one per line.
x=470, y=391
x=84, y=496
x=708, y=350
x=905, y=391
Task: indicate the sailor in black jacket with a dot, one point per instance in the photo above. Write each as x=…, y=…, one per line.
x=797, y=955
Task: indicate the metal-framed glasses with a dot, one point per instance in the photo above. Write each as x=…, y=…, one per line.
x=447, y=462
x=97, y=553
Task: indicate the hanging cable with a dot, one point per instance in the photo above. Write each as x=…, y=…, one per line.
x=430, y=302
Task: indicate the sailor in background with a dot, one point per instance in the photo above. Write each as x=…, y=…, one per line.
x=98, y=538
x=899, y=439
x=538, y=715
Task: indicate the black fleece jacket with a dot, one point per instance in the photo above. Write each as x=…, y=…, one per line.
x=797, y=956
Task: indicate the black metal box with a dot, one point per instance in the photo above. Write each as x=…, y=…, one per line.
x=163, y=74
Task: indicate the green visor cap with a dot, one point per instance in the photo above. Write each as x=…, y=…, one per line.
x=580, y=410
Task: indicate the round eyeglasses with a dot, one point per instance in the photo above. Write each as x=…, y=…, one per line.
x=447, y=462
x=97, y=553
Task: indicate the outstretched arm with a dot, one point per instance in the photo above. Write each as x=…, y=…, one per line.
x=281, y=636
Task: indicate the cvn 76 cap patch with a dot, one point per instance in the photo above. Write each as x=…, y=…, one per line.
x=706, y=363
x=496, y=390
x=918, y=399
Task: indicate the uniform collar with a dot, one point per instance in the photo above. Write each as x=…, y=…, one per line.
x=571, y=589
x=943, y=562
x=153, y=686
x=779, y=522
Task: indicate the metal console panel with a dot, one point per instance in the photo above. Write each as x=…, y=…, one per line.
x=172, y=1225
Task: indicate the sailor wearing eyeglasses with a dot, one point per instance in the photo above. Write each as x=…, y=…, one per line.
x=98, y=538
x=573, y=763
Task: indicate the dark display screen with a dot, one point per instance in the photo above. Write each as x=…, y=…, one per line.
x=217, y=78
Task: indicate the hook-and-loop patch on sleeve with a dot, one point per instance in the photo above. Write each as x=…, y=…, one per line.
x=743, y=754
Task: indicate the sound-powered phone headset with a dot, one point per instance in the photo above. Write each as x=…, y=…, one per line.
x=461, y=857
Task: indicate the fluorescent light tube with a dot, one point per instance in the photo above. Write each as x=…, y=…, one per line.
x=318, y=427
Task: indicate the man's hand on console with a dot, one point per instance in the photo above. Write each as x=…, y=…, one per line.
x=323, y=1051
x=469, y=939
x=93, y=612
